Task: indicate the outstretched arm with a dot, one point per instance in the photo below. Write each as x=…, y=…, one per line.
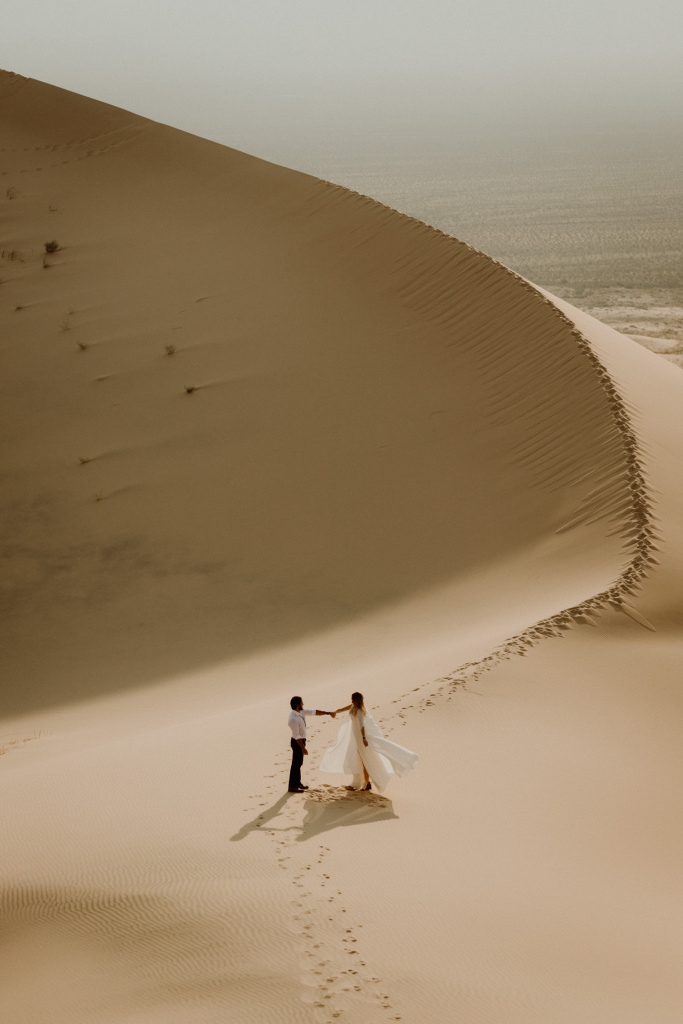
x=333, y=713
x=347, y=708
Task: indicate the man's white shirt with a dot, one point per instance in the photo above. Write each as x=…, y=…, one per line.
x=297, y=722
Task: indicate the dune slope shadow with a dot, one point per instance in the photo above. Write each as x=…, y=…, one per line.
x=245, y=406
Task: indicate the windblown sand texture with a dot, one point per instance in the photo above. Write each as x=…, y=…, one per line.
x=265, y=436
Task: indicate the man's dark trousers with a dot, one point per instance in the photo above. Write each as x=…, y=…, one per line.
x=297, y=761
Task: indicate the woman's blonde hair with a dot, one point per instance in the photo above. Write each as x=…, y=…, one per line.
x=358, y=705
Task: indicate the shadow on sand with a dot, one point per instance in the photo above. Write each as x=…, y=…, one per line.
x=263, y=818
x=326, y=808
x=329, y=808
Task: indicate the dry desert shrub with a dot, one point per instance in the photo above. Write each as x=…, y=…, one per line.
x=51, y=246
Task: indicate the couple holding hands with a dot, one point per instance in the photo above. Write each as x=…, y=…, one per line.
x=359, y=750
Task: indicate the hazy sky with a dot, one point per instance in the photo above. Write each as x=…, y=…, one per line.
x=277, y=77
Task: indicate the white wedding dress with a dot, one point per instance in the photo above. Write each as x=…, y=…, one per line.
x=381, y=758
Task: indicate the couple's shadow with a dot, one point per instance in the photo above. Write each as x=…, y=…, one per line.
x=325, y=808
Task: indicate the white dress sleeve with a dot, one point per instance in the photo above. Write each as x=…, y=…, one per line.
x=342, y=757
x=381, y=758
x=400, y=758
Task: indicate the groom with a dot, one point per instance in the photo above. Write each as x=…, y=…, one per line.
x=297, y=723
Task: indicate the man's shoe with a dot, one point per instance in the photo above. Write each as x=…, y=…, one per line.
x=295, y=790
x=302, y=786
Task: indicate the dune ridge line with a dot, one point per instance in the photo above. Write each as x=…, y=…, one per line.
x=640, y=528
x=622, y=495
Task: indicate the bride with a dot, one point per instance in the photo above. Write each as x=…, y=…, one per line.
x=361, y=750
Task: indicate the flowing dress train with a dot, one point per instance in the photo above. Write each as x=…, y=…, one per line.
x=381, y=758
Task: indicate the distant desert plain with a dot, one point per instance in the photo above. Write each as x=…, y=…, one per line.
x=265, y=436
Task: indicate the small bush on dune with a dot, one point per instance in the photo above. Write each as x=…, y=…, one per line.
x=51, y=246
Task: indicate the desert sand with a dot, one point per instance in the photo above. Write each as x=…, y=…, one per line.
x=265, y=436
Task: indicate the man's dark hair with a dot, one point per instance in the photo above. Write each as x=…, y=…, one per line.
x=294, y=703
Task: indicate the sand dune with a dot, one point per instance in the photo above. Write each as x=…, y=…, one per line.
x=264, y=435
